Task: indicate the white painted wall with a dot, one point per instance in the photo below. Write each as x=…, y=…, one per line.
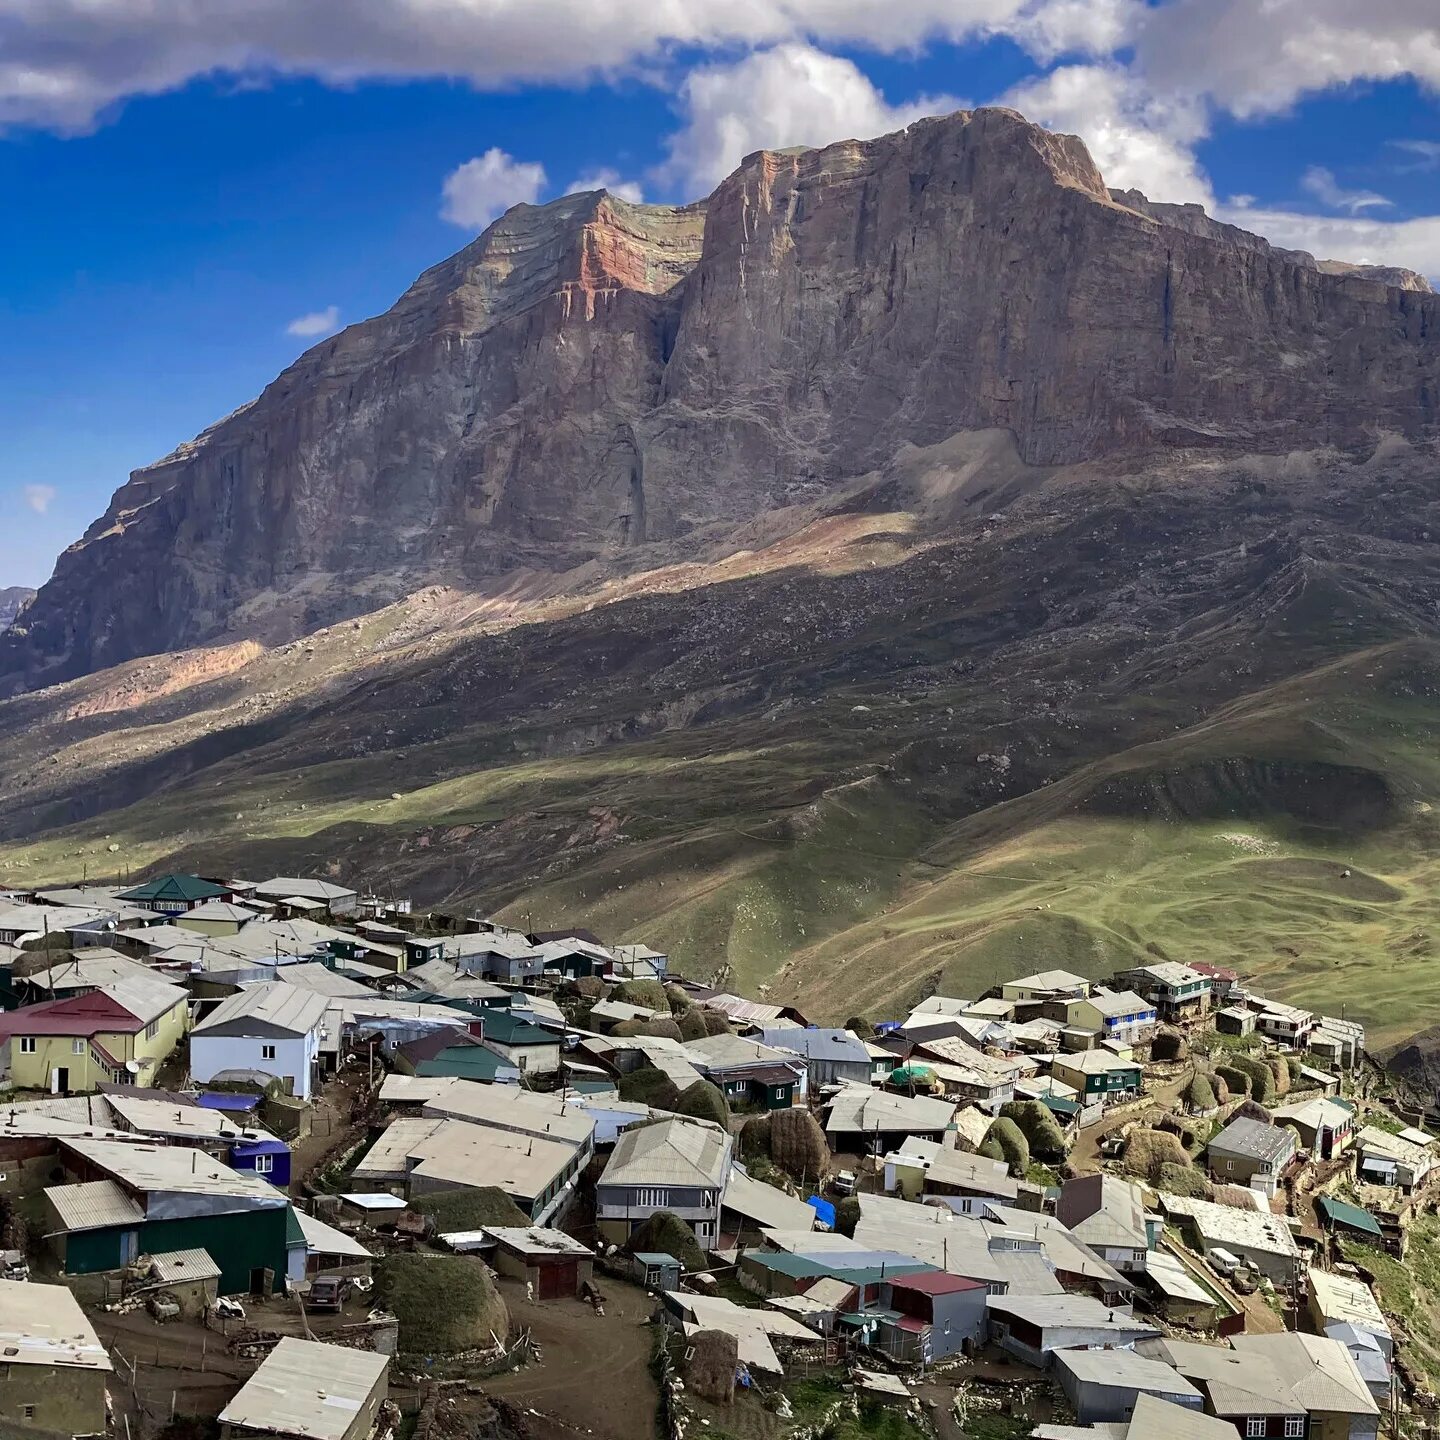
x=210, y=1054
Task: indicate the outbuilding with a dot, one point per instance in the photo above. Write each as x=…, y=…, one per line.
x=55, y=1369
x=552, y=1265
x=310, y=1391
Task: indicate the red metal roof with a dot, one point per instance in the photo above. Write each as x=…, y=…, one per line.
x=936, y=1282
x=910, y=1323
x=90, y=1014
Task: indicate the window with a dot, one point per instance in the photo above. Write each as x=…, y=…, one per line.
x=77, y=1047
x=152, y=1029
x=1295, y=1426
x=1229, y=1164
x=658, y=1198
x=27, y=1044
x=1255, y=1425
x=264, y=1164
x=267, y=1052
x=27, y=1412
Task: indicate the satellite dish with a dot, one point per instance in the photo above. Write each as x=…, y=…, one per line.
x=132, y=1068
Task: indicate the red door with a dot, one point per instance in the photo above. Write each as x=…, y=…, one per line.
x=559, y=1279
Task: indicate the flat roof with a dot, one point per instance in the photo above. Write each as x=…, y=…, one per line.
x=323, y=1239
x=173, y=1167
x=44, y=1325
x=536, y=1240
x=375, y=1202
x=305, y=1388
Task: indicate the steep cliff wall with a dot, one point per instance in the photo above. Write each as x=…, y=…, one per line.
x=589, y=376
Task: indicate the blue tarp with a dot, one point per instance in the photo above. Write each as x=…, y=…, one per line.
x=824, y=1210
x=219, y=1100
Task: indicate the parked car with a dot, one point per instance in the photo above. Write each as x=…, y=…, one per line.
x=327, y=1292
x=843, y=1183
x=1222, y=1262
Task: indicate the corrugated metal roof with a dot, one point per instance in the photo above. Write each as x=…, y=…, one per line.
x=305, y=1388
x=93, y=1205
x=176, y=1267
x=677, y=1151
x=1352, y=1217
x=323, y=1239
x=44, y=1325
x=288, y=1007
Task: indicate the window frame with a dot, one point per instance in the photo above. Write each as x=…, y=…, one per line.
x=28, y=1044
x=267, y=1052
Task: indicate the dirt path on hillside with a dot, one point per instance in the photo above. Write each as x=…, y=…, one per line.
x=595, y=1372
x=1085, y=1156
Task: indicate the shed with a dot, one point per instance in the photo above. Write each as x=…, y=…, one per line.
x=1340, y=1216
x=551, y=1264
x=1103, y=1385
x=656, y=1270
x=190, y=1277
x=309, y=1390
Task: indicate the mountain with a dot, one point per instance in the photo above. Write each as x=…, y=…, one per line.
x=913, y=562
x=13, y=599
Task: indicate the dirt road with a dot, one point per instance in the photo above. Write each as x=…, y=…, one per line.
x=1085, y=1156
x=594, y=1375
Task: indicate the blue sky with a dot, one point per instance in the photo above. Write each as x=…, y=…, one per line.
x=192, y=199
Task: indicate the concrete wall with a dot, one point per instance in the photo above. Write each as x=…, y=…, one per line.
x=67, y=1400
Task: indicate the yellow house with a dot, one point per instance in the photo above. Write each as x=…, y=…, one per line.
x=119, y=1034
x=215, y=917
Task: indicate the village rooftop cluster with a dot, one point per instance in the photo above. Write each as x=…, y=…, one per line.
x=1139, y=1194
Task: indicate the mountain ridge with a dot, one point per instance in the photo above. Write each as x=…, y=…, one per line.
x=591, y=377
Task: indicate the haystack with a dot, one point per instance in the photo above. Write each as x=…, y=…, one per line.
x=446, y=1304
x=665, y=1233
x=470, y=1209
x=711, y=1359
x=797, y=1144
x=1014, y=1148
x=1237, y=1082
x=662, y=1027
x=1169, y=1045
x=649, y=993
x=650, y=1087
x=703, y=1101
x=1146, y=1151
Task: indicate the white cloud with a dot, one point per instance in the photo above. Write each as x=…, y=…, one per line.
x=1140, y=141
x=1408, y=244
x=317, y=322
x=792, y=94
x=1321, y=183
x=38, y=497
x=1255, y=57
x=62, y=62
x=1426, y=153
x=610, y=180
x=480, y=189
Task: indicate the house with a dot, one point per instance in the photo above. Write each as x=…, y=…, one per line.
x=1325, y=1127
x=1250, y=1152
x=1385, y=1159
x=640, y=962
x=55, y=1370
x=1338, y=1043
x=1237, y=1020
x=322, y=895
x=1034, y=1327
x=91, y=969
x=1047, y=985
x=1243, y=1390
x=1223, y=980
x=310, y=1391
x=786, y=1273
x=832, y=1057
x=1320, y=1374
x=448, y=1051
x=1151, y=1418
x=1102, y=1386
x=572, y=956
x=132, y=1199
x=531, y=1049
x=969, y=1074
x=174, y=894
x=755, y=1330
x=420, y=1155
x=1285, y=1024
x=748, y=1072
x=271, y=1028
x=1344, y=1308
x=1178, y=1296
x=1098, y=1076
x=749, y=1207
x=1107, y=1214
x=929, y=1316
x=445, y=980
x=871, y=1121
x=1178, y=992
x=1115, y=1015
x=1262, y=1240
x=678, y=1164
x=120, y=1034
x=552, y=1265
x=966, y=1183
x=215, y=917
x=522, y=1112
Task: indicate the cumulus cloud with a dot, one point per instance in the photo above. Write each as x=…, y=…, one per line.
x=1409, y=244
x=791, y=94
x=1139, y=140
x=1321, y=183
x=610, y=180
x=481, y=189
x=317, y=322
x=62, y=62
x=38, y=497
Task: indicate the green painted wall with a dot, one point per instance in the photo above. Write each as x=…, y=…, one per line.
x=240, y=1243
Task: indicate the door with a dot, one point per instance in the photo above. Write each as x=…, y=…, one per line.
x=60, y=1080
x=129, y=1247
x=558, y=1281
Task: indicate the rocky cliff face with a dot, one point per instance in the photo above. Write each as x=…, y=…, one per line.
x=13, y=599
x=591, y=376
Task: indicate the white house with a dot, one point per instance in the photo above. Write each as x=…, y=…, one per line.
x=273, y=1028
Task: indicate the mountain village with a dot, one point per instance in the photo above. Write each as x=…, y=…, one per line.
x=283, y=1158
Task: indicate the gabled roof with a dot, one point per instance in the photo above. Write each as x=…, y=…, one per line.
x=1348, y=1217
x=94, y=1205
x=677, y=1151
x=286, y=1007
x=506, y=1029
x=859, y=1108
x=190, y=889
x=218, y=910
x=1254, y=1139
x=1050, y=980
x=1319, y=1373
x=1124, y=1002
x=292, y=887
x=818, y=1045
x=94, y=1013
x=1094, y=1062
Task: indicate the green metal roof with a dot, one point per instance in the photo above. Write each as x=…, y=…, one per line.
x=294, y=1235
x=506, y=1029
x=1059, y=1105
x=466, y=1062
x=174, y=887
x=1351, y=1217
